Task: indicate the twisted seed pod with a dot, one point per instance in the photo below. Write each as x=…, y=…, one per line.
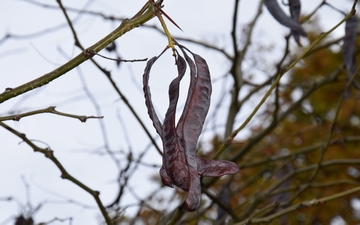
x=181, y=166
x=295, y=8
x=190, y=126
x=166, y=180
x=174, y=156
x=281, y=17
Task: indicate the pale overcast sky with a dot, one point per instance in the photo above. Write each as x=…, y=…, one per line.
x=25, y=57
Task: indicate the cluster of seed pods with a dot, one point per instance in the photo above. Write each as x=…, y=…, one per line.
x=181, y=166
x=349, y=44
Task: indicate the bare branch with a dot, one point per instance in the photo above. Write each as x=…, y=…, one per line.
x=51, y=110
x=64, y=174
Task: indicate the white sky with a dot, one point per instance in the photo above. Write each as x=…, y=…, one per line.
x=24, y=59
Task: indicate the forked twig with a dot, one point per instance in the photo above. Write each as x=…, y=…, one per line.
x=64, y=174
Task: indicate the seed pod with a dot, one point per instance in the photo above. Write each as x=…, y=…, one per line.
x=349, y=45
x=173, y=170
x=191, y=123
x=166, y=180
x=193, y=197
x=181, y=166
x=151, y=111
x=295, y=8
x=174, y=156
x=281, y=17
x=190, y=126
x=196, y=106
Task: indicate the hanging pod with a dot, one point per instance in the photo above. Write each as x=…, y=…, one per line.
x=181, y=166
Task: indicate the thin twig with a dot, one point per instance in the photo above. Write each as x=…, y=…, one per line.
x=124, y=27
x=304, y=204
x=51, y=110
x=122, y=60
x=276, y=81
x=64, y=174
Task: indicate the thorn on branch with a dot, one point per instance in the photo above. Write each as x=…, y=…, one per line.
x=171, y=20
x=353, y=9
x=83, y=119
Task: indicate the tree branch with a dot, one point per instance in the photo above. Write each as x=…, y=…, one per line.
x=304, y=204
x=51, y=110
x=64, y=174
x=124, y=27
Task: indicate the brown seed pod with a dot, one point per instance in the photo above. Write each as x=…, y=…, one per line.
x=349, y=46
x=181, y=166
x=295, y=8
x=281, y=17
